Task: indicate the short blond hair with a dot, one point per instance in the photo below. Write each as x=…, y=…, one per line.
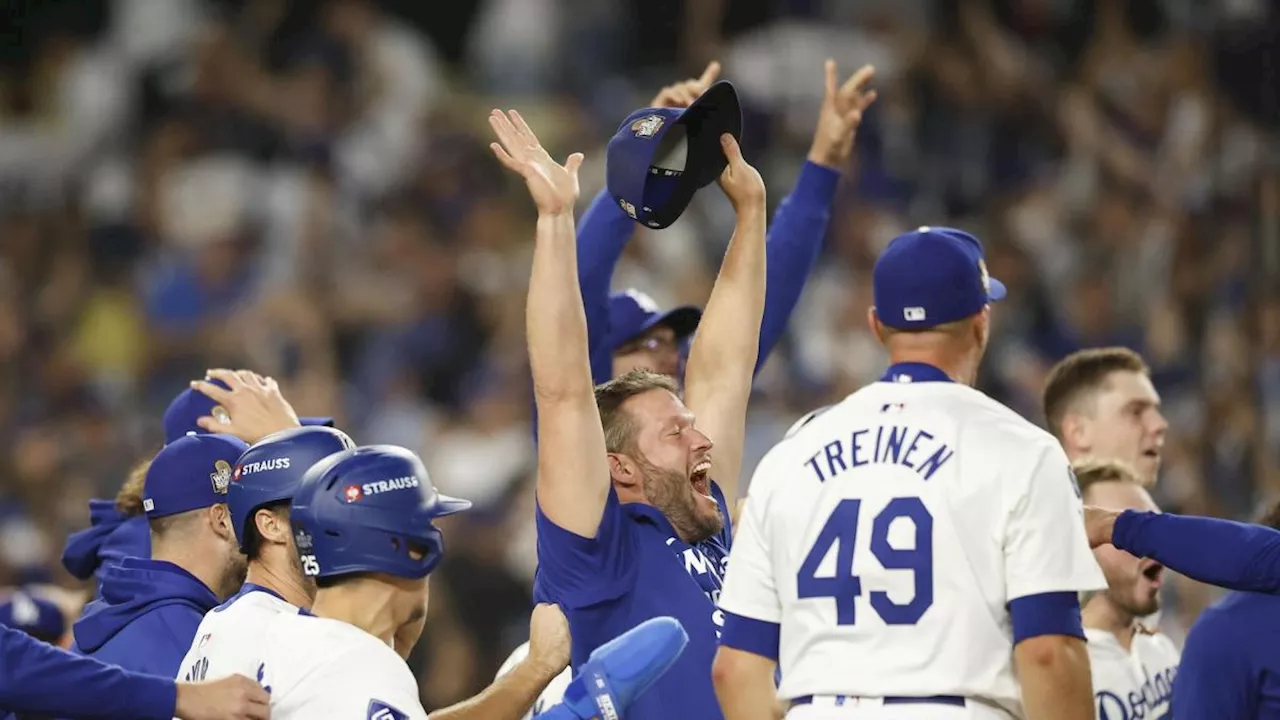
x=1092, y=471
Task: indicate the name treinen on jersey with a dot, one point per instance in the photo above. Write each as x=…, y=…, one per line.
x=883, y=445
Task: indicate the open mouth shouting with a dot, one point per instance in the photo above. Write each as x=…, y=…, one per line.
x=698, y=478
x=1153, y=571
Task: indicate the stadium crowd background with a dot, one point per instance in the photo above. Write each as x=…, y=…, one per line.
x=304, y=189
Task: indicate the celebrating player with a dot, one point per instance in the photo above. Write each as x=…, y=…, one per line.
x=262, y=485
x=630, y=524
x=363, y=524
x=1100, y=403
x=150, y=608
x=916, y=548
x=1133, y=666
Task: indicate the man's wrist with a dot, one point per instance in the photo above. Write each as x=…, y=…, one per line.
x=827, y=158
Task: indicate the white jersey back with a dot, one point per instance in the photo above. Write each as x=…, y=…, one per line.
x=888, y=534
x=552, y=695
x=229, y=639
x=1137, y=683
x=321, y=668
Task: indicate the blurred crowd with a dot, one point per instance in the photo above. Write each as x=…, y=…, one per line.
x=304, y=189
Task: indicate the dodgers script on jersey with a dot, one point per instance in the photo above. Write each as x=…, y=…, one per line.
x=1136, y=683
x=321, y=668
x=634, y=569
x=554, y=692
x=229, y=640
x=888, y=534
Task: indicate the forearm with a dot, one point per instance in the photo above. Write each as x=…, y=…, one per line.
x=1056, y=684
x=744, y=686
x=794, y=244
x=509, y=698
x=35, y=678
x=728, y=339
x=1194, y=546
x=603, y=234
x=556, y=327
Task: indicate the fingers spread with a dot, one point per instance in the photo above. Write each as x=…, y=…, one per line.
x=504, y=158
x=830, y=70
x=710, y=74
x=857, y=83
x=573, y=163
x=523, y=127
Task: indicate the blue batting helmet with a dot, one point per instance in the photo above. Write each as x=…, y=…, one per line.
x=270, y=470
x=370, y=510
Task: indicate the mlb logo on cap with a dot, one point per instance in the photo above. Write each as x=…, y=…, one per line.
x=660, y=157
x=932, y=276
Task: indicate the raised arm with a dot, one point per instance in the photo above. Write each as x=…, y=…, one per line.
x=573, y=477
x=800, y=224
x=605, y=230
x=723, y=358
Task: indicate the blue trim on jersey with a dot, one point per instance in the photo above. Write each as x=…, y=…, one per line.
x=750, y=635
x=1053, y=613
x=914, y=372
x=245, y=590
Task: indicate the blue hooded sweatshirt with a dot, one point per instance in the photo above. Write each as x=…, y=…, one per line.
x=110, y=538
x=146, y=618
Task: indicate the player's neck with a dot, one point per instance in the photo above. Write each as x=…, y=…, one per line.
x=194, y=560
x=957, y=369
x=360, y=603
x=1101, y=614
x=267, y=574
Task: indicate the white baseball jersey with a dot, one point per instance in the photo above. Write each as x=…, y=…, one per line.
x=550, y=696
x=322, y=668
x=888, y=534
x=229, y=639
x=1133, y=683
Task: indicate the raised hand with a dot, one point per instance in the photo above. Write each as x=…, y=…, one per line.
x=841, y=114
x=553, y=187
x=251, y=409
x=683, y=93
x=741, y=182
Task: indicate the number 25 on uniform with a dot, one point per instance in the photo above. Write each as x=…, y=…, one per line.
x=841, y=530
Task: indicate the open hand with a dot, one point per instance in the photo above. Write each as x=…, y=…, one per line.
x=253, y=407
x=554, y=187
x=235, y=697
x=841, y=114
x=682, y=94
x=741, y=182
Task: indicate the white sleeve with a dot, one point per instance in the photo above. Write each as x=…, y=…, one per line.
x=358, y=684
x=1045, y=546
x=749, y=589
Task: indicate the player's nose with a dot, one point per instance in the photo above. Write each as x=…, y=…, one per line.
x=700, y=441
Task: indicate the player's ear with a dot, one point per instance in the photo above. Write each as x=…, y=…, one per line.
x=272, y=526
x=1075, y=432
x=220, y=519
x=873, y=322
x=622, y=470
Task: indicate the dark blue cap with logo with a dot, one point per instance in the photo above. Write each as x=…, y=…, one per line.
x=35, y=616
x=633, y=313
x=932, y=276
x=643, y=170
x=190, y=473
x=190, y=405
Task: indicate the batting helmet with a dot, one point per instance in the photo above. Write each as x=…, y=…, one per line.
x=270, y=470
x=370, y=510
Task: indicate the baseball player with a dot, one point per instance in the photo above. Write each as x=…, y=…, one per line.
x=363, y=524
x=630, y=524
x=1100, y=403
x=916, y=550
x=1133, y=665
x=263, y=480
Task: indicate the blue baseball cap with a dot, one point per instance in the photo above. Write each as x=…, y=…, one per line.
x=633, y=313
x=190, y=473
x=932, y=276
x=33, y=615
x=643, y=169
x=191, y=405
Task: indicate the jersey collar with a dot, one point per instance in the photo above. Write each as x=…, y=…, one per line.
x=914, y=372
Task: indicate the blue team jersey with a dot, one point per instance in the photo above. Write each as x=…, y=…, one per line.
x=634, y=569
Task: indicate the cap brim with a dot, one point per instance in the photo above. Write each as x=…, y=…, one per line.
x=683, y=320
x=715, y=112
x=446, y=505
x=316, y=421
x=997, y=290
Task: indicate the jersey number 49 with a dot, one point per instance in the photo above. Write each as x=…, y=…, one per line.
x=845, y=586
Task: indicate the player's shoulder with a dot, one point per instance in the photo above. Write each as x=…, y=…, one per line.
x=302, y=645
